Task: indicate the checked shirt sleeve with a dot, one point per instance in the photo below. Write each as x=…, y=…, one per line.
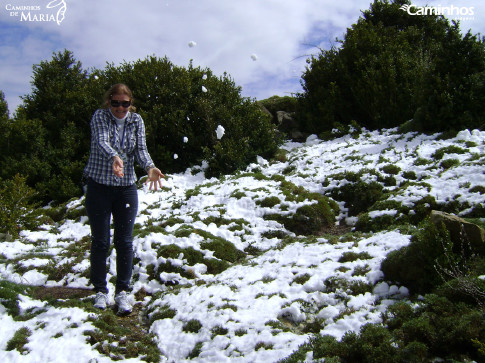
x=100, y=133
x=141, y=153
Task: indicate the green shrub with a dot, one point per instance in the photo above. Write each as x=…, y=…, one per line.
x=358, y=196
x=410, y=332
x=354, y=256
x=309, y=219
x=391, y=169
x=16, y=206
x=219, y=330
x=449, y=163
x=9, y=292
x=414, y=265
x=193, y=257
x=452, y=149
x=409, y=174
x=269, y=202
x=222, y=248
x=192, y=326
x=195, y=352
x=19, y=340
x=49, y=138
x=379, y=75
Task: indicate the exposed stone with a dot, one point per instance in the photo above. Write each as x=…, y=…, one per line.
x=461, y=230
x=5, y=237
x=286, y=122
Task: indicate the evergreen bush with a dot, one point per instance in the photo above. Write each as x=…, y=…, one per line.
x=182, y=108
x=390, y=68
x=414, y=266
x=16, y=206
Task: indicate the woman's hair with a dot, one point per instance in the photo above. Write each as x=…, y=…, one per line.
x=118, y=89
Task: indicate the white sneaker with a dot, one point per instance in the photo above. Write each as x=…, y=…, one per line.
x=124, y=307
x=101, y=301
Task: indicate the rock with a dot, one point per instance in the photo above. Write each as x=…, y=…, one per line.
x=5, y=237
x=286, y=122
x=461, y=230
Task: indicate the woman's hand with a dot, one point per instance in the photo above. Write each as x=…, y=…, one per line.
x=155, y=178
x=118, y=167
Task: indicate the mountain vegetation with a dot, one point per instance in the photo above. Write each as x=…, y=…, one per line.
x=415, y=75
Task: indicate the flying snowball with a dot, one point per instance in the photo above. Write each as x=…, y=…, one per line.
x=175, y=156
x=204, y=77
x=254, y=57
x=186, y=139
x=192, y=44
x=204, y=89
x=220, y=132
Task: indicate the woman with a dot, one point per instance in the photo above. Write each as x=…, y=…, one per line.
x=117, y=139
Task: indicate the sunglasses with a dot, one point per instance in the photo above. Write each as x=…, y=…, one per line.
x=116, y=103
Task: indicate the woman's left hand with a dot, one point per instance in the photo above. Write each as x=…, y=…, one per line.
x=155, y=178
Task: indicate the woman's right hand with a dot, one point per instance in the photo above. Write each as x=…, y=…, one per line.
x=118, y=166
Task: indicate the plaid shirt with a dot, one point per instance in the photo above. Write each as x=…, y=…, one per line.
x=107, y=142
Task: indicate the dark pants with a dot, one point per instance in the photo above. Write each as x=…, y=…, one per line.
x=102, y=201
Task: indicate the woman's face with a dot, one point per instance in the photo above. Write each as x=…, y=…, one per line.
x=118, y=103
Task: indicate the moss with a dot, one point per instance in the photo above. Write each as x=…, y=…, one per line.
x=379, y=223
x=391, y=169
x=354, y=256
x=301, y=279
x=410, y=174
x=452, y=149
x=163, y=312
x=195, y=352
x=222, y=248
x=19, y=340
x=238, y=194
x=449, y=163
x=240, y=332
x=192, y=326
x=263, y=345
x=9, y=292
x=358, y=196
x=269, y=202
x=478, y=189
x=308, y=219
x=219, y=330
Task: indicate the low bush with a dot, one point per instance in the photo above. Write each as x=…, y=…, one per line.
x=358, y=196
x=414, y=265
x=436, y=327
x=16, y=206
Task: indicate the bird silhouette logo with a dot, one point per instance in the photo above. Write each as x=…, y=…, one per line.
x=405, y=7
x=62, y=9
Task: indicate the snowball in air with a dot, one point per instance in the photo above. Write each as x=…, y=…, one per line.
x=204, y=89
x=220, y=132
x=192, y=44
x=186, y=139
x=204, y=77
x=254, y=57
x=175, y=156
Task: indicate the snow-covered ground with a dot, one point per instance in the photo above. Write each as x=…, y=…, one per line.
x=255, y=310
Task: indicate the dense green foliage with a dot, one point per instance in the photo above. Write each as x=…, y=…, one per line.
x=48, y=140
x=392, y=67
x=16, y=206
x=447, y=323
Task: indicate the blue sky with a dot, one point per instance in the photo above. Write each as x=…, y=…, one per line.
x=261, y=44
